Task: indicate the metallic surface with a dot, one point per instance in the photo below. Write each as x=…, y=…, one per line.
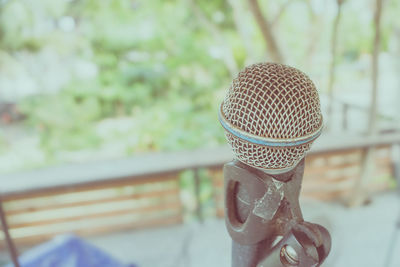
x=262, y=208
x=271, y=114
x=283, y=142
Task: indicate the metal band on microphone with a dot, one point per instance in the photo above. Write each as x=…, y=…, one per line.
x=265, y=141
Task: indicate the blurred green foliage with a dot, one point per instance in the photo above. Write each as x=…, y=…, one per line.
x=159, y=68
x=149, y=68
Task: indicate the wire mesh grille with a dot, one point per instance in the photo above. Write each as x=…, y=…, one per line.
x=273, y=101
x=265, y=157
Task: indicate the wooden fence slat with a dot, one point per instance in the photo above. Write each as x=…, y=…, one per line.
x=51, y=191
x=71, y=226
x=51, y=206
x=86, y=210
x=152, y=208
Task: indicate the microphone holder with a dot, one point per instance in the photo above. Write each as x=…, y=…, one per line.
x=264, y=219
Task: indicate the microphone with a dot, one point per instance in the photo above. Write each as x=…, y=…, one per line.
x=271, y=116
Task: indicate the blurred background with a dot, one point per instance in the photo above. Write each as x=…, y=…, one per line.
x=108, y=121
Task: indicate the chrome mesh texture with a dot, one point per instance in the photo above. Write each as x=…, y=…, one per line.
x=273, y=101
x=265, y=157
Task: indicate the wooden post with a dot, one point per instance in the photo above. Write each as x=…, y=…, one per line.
x=333, y=61
x=266, y=32
x=10, y=244
x=345, y=114
x=360, y=194
x=197, y=187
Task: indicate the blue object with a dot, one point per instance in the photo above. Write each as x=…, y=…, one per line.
x=264, y=141
x=67, y=251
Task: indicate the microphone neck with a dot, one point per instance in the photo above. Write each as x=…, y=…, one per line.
x=282, y=176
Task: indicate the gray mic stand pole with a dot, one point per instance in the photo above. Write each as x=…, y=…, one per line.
x=264, y=219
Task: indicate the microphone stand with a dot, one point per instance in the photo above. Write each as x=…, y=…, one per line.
x=264, y=219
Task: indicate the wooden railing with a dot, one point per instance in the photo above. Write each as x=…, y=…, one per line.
x=333, y=167
x=144, y=191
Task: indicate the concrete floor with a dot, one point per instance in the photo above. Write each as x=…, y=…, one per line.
x=360, y=237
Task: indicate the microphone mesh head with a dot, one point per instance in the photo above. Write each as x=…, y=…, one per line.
x=276, y=103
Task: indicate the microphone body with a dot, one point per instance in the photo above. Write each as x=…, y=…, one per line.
x=271, y=115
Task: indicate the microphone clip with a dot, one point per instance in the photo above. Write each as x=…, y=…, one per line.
x=261, y=209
